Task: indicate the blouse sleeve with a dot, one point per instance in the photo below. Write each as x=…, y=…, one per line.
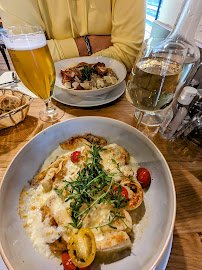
x=12, y=13
x=127, y=31
x=128, y=18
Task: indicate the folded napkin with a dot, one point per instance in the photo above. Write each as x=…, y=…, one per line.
x=7, y=77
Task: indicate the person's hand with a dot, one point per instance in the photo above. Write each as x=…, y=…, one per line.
x=97, y=43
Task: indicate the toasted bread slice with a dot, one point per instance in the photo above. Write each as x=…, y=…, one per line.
x=116, y=152
x=9, y=102
x=114, y=241
x=124, y=224
x=54, y=167
x=95, y=140
x=75, y=142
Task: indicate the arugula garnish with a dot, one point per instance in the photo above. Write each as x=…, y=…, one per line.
x=118, y=168
x=93, y=186
x=87, y=72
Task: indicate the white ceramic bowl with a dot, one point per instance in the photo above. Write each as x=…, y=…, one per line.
x=158, y=211
x=115, y=65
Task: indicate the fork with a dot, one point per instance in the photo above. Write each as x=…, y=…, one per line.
x=15, y=79
x=14, y=76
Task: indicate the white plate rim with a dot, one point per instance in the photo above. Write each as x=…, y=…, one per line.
x=166, y=244
x=122, y=86
x=163, y=262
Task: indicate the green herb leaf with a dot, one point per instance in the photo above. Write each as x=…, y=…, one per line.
x=87, y=72
x=93, y=186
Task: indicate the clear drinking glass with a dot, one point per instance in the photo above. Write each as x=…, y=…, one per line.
x=186, y=145
x=31, y=58
x=155, y=75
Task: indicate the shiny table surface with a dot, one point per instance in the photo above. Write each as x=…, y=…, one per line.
x=186, y=251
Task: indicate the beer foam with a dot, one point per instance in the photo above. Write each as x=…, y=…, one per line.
x=21, y=43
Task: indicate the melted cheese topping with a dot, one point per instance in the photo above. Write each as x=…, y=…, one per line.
x=40, y=233
x=33, y=198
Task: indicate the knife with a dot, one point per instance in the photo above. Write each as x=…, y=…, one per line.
x=14, y=81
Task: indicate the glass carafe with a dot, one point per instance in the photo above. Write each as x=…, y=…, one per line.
x=184, y=30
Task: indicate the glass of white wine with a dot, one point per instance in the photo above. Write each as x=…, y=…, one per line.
x=155, y=75
x=32, y=61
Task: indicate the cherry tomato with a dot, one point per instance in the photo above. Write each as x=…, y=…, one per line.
x=68, y=264
x=75, y=156
x=139, y=171
x=82, y=257
x=144, y=177
x=124, y=192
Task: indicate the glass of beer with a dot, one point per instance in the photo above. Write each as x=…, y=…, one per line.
x=31, y=58
x=155, y=76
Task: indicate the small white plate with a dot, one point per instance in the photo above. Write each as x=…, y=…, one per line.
x=68, y=99
x=115, y=65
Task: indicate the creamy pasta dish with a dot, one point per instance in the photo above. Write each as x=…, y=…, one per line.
x=86, y=76
x=80, y=202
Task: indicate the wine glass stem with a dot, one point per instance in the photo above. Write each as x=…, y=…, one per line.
x=139, y=120
x=49, y=105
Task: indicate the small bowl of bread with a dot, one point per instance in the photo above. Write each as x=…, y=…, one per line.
x=14, y=106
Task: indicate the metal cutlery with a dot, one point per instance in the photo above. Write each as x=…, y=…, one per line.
x=15, y=80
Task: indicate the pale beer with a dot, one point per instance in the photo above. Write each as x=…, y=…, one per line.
x=31, y=58
x=34, y=66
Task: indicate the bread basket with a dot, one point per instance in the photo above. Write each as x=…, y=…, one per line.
x=18, y=114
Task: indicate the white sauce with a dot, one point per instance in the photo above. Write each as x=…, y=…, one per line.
x=41, y=233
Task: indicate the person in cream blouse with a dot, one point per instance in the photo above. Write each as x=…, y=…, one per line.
x=115, y=28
